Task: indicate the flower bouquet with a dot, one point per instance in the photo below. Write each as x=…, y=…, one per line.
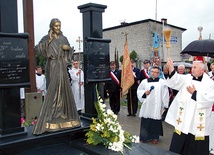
x=106, y=130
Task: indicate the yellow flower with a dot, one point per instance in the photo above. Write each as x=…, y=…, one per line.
x=93, y=127
x=115, y=139
x=106, y=134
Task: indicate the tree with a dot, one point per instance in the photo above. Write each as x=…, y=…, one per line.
x=133, y=55
x=121, y=58
x=40, y=61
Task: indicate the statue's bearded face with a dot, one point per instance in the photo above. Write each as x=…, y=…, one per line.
x=57, y=28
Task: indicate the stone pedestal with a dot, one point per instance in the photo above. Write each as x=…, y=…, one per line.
x=10, y=113
x=33, y=104
x=92, y=27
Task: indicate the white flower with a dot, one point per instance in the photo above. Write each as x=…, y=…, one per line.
x=107, y=120
x=116, y=146
x=107, y=124
x=135, y=139
x=99, y=127
x=113, y=129
x=102, y=105
x=110, y=112
x=114, y=116
x=104, y=114
x=121, y=136
x=119, y=127
x=101, y=100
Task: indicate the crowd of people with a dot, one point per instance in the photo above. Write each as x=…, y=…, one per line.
x=184, y=100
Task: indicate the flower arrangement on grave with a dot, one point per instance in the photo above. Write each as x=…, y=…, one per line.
x=106, y=130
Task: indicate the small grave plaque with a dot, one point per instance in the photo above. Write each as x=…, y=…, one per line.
x=97, y=59
x=14, y=68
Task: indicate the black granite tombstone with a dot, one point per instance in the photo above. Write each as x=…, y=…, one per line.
x=14, y=68
x=9, y=94
x=95, y=54
x=14, y=74
x=8, y=16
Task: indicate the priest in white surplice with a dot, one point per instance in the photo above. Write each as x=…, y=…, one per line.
x=77, y=85
x=154, y=96
x=190, y=110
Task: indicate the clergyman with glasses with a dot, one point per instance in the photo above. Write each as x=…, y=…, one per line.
x=154, y=96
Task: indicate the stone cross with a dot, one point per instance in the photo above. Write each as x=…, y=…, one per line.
x=79, y=41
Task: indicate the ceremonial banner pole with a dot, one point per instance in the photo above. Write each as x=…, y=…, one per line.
x=167, y=35
x=130, y=90
x=127, y=77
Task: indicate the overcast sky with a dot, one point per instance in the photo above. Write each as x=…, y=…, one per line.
x=188, y=14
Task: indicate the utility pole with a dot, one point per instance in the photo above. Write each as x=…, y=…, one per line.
x=29, y=28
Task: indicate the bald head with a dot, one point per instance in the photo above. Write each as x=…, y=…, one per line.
x=198, y=68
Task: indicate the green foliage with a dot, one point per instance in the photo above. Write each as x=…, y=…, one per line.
x=26, y=123
x=127, y=136
x=121, y=58
x=133, y=55
x=40, y=61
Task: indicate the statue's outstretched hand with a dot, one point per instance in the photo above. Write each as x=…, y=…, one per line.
x=65, y=47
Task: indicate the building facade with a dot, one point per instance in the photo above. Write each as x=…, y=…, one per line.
x=140, y=39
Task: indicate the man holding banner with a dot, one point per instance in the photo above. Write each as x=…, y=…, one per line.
x=130, y=77
x=132, y=93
